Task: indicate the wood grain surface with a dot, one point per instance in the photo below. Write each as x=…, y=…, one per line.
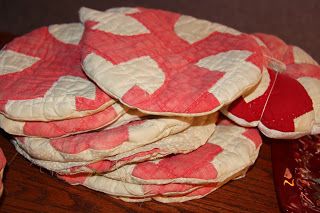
x=27, y=188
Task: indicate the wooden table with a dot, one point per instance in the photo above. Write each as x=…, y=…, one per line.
x=31, y=189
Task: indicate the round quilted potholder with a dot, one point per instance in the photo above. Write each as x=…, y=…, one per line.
x=183, y=180
x=62, y=128
x=183, y=142
x=166, y=63
x=165, y=193
x=94, y=146
x=286, y=103
x=228, y=151
x=3, y=162
x=129, y=190
x=196, y=192
x=42, y=80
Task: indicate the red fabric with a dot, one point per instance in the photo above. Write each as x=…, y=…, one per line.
x=278, y=108
x=287, y=101
x=251, y=111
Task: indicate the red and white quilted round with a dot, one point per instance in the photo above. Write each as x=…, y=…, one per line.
x=129, y=190
x=41, y=77
x=228, y=151
x=183, y=142
x=197, y=193
x=286, y=103
x=94, y=146
x=226, y=156
x=166, y=63
x=62, y=128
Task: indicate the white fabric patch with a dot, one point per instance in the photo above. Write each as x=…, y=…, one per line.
x=143, y=72
x=131, y=115
x=304, y=122
x=113, y=187
x=116, y=23
x=258, y=40
x=192, y=30
x=11, y=126
x=239, y=73
x=260, y=89
x=271, y=133
x=238, y=151
x=67, y=33
x=11, y=61
x=301, y=57
x=312, y=86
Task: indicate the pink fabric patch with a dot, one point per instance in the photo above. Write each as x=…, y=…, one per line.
x=254, y=136
x=303, y=70
x=74, y=179
x=101, y=166
x=64, y=127
x=166, y=188
x=182, y=165
x=202, y=191
x=277, y=48
x=107, y=139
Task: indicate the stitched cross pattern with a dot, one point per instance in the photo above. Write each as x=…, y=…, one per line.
x=154, y=69
x=41, y=68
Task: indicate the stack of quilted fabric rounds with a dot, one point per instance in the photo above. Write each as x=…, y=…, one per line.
x=126, y=102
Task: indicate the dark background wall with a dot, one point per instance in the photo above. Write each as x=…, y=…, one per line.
x=296, y=21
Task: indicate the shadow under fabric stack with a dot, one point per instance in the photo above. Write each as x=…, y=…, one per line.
x=126, y=102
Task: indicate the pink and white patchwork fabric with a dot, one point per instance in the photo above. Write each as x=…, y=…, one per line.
x=183, y=142
x=129, y=116
x=227, y=155
x=62, y=128
x=3, y=162
x=228, y=151
x=195, y=191
x=129, y=190
x=41, y=77
x=166, y=63
x=286, y=103
x=94, y=146
x=182, y=197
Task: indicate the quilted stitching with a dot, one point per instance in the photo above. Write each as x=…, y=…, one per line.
x=188, y=79
x=273, y=106
x=62, y=128
x=44, y=69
